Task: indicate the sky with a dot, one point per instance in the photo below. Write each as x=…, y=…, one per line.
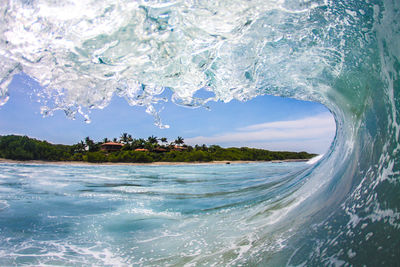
x=268, y=122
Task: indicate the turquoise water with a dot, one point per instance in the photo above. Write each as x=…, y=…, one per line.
x=345, y=210
x=140, y=215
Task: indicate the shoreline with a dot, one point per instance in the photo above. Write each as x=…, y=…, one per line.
x=84, y=163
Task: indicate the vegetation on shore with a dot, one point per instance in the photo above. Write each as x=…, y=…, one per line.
x=134, y=150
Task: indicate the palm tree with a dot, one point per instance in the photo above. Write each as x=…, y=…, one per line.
x=124, y=138
x=79, y=147
x=138, y=143
x=115, y=140
x=90, y=144
x=105, y=140
x=152, y=140
x=130, y=139
x=163, y=140
x=179, y=140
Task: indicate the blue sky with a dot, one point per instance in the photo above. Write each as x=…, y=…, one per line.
x=265, y=122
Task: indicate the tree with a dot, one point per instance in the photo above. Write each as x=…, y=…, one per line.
x=179, y=140
x=164, y=140
x=204, y=147
x=89, y=143
x=124, y=138
x=105, y=140
x=138, y=143
x=25, y=148
x=91, y=146
x=152, y=140
x=214, y=148
x=130, y=139
x=79, y=147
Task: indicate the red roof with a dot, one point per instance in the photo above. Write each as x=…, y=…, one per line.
x=112, y=144
x=180, y=147
x=141, y=149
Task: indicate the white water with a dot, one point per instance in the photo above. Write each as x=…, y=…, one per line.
x=342, y=54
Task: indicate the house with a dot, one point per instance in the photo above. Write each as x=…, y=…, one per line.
x=141, y=149
x=179, y=148
x=111, y=146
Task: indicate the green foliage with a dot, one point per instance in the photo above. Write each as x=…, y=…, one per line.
x=179, y=140
x=96, y=157
x=77, y=157
x=152, y=140
x=199, y=156
x=130, y=156
x=25, y=148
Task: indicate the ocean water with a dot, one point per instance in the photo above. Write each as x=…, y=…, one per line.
x=342, y=211
x=143, y=215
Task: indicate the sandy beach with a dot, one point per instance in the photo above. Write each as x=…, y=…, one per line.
x=143, y=164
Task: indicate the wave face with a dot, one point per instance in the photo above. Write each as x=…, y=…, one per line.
x=190, y=215
x=343, y=54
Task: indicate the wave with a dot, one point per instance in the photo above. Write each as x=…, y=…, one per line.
x=342, y=54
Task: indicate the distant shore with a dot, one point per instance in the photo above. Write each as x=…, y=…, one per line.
x=143, y=164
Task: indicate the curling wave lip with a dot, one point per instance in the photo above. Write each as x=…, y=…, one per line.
x=342, y=54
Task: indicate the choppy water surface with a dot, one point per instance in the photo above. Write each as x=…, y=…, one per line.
x=150, y=215
x=343, y=54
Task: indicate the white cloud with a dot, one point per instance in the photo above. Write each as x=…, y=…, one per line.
x=313, y=134
x=322, y=120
